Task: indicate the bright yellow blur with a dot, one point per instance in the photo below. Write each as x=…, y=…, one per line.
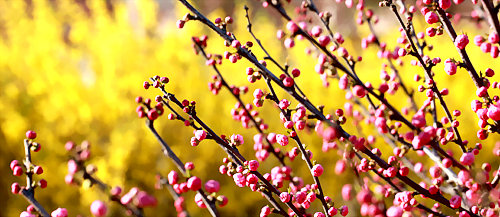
x=69, y=75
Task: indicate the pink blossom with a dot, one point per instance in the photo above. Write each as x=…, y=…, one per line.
x=282, y=139
x=237, y=139
x=285, y=197
x=239, y=179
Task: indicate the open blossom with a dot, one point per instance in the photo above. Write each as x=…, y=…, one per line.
x=239, y=179
x=282, y=139
x=237, y=139
x=285, y=197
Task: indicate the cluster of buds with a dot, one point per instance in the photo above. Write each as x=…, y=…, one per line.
x=191, y=183
x=145, y=109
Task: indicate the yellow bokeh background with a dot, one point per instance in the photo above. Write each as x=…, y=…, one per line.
x=71, y=74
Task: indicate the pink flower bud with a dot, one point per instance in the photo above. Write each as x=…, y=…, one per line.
x=394, y=211
x=30, y=134
x=199, y=201
x=344, y=210
x=59, y=212
x=292, y=27
x=38, y=170
x=493, y=38
x=435, y=171
x=317, y=170
x=142, y=199
x=431, y=17
x=289, y=43
x=461, y=41
x=283, y=104
x=288, y=82
x=265, y=211
x=17, y=171
x=173, y=177
x=98, y=208
x=316, y=31
x=200, y=135
x=258, y=93
x=194, y=183
x=189, y=166
x=347, y=192
x=27, y=214
x=450, y=67
x=445, y=4
x=319, y=214
x=359, y=91
x=494, y=112
x=467, y=159
x=15, y=188
x=212, y=186
x=222, y=200
x=455, y=202
x=324, y=40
